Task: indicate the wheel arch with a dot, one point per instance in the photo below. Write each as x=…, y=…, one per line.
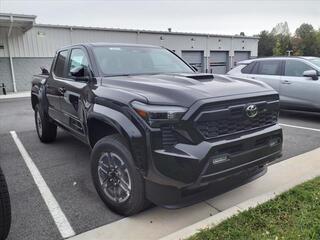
x=104, y=121
x=34, y=100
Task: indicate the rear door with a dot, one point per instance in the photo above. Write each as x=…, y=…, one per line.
x=297, y=91
x=53, y=85
x=268, y=71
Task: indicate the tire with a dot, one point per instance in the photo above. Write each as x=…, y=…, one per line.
x=5, y=208
x=115, y=176
x=46, y=130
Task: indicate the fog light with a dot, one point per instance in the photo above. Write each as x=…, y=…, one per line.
x=274, y=141
x=220, y=159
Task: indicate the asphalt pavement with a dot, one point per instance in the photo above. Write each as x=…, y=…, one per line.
x=64, y=165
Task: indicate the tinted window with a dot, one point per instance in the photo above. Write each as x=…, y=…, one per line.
x=269, y=68
x=78, y=58
x=296, y=68
x=248, y=68
x=315, y=61
x=60, y=63
x=123, y=60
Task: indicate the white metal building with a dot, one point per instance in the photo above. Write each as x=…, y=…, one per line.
x=26, y=46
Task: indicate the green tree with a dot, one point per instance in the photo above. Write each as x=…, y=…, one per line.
x=266, y=44
x=305, y=42
x=308, y=43
x=283, y=44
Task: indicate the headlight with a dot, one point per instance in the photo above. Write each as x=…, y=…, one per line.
x=153, y=114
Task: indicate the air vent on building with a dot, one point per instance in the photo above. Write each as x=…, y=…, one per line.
x=41, y=34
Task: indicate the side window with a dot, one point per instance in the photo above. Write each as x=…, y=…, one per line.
x=248, y=69
x=296, y=68
x=60, y=63
x=78, y=58
x=269, y=67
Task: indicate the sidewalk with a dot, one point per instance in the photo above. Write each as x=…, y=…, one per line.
x=16, y=95
x=158, y=223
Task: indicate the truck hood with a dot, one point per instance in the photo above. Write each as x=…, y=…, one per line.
x=183, y=89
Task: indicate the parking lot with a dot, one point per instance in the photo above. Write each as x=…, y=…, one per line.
x=64, y=166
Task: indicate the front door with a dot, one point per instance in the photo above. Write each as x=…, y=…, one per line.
x=75, y=90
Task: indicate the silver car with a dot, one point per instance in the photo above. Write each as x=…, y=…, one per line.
x=295, y=78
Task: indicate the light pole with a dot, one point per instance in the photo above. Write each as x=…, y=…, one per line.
x=289, y=52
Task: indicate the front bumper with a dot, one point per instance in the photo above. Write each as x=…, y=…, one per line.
x=188, y=173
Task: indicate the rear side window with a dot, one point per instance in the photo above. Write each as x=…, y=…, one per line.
x=296, y=68
x=248, y=68
x=60, y=64
x=269, y=67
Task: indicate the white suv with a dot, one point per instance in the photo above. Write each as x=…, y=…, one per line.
x=296, y=79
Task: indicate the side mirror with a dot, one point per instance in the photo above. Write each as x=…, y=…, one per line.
x=312, y=74
x=44, y=71
x=195, y=68
x=80, y=73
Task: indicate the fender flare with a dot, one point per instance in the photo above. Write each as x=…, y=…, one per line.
x=40, y=93
x=125, y=127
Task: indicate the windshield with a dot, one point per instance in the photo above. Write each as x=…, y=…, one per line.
x=315, y=61
x=128, y=60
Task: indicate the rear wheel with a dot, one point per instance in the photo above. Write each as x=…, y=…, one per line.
x=5, y=208
x=46, y=130
x=115, y=176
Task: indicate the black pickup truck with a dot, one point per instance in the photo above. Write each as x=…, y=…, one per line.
x=159, y=131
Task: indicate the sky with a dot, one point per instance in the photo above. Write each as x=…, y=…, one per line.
x=201, y=16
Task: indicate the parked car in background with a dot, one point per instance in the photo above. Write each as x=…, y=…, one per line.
x=296, y=79
x=5, y=208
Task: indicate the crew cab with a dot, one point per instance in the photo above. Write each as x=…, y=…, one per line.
x=158, y=131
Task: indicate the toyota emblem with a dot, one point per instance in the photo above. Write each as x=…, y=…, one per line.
x=252, y=111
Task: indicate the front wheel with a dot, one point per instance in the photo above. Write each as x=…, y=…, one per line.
x=115, y=176
x=5, y=209
x=46, y=130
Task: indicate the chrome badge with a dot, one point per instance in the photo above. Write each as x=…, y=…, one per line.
x=252, y=111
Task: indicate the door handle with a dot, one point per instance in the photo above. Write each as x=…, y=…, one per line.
x=253, y=78
x=62, y=90
x=286, y=82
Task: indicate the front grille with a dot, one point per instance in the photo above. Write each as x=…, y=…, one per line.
x=233, y=120
x=169, y=137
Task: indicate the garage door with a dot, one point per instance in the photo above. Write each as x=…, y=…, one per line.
x=219, y=62
x=194, y=58
x=240, y=56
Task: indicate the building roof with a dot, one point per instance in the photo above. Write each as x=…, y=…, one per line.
x=144, y=31
x=21, y=21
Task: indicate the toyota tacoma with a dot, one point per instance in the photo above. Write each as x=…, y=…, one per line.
x=158, y=131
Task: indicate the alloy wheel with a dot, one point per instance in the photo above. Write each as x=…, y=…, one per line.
x=114, y=177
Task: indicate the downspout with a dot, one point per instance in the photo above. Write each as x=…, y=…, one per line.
x=10, y=57
x=231, y=65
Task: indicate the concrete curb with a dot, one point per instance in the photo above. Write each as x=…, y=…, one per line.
x=159, y=223
x=16, y=95
x=228, y=213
